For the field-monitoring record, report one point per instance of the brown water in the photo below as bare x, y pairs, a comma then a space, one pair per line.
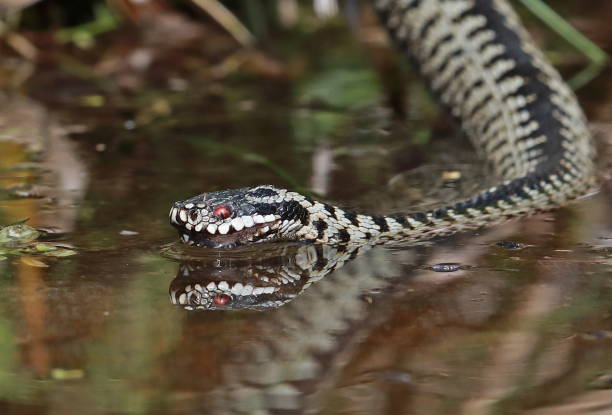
526, 330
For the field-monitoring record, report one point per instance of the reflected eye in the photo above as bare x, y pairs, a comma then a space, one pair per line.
222, 211
222, 299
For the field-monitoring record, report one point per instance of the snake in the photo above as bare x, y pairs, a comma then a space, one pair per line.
480, 63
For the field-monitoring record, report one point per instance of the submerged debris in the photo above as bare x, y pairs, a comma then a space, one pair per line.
509, 245
446, 267
17, 234
597, 335
67, 374
602, 382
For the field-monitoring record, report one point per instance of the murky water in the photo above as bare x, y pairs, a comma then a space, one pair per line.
518, 321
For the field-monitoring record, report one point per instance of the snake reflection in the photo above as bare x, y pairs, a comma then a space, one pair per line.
258, 282
303, 345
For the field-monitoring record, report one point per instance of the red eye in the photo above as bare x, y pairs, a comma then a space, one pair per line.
222, 299
222, 211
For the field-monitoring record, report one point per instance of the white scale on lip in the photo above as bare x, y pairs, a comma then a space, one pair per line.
183, 216
237, 224
248, 221
237, 288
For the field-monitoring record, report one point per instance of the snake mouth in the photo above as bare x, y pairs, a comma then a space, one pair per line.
228, 234
267, 283
225, 295
217, 294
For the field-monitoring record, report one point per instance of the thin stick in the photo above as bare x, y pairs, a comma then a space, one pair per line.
227, 20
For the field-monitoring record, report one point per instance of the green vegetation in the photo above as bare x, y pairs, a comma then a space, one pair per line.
596, 56
20, 239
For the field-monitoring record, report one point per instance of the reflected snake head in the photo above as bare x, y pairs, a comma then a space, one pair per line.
256, 278
201, 287
230, 218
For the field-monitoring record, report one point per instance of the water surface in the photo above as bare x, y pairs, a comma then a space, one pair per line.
524, 325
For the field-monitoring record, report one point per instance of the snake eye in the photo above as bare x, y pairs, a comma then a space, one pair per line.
222, 299
222, 211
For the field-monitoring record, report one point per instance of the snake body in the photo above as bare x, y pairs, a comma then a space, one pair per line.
520, 116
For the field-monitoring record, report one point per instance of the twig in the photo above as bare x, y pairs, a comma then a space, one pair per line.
20, 44
227, 20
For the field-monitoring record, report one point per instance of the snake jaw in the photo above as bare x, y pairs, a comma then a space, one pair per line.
199, 286
230, 218
221, 295
225, 233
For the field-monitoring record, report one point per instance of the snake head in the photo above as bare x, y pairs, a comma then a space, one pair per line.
269, 280
214, 293
230, 218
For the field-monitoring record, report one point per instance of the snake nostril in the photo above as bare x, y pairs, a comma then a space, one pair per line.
193, 215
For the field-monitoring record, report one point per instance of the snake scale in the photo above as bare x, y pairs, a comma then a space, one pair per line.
520, 116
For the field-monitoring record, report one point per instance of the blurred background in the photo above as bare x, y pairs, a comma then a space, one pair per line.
110, 110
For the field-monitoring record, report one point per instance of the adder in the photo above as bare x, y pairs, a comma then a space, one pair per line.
520, 116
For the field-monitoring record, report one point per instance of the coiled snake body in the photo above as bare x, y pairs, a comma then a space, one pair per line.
519, 114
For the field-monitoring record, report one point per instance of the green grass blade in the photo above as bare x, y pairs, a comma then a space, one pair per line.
597, 57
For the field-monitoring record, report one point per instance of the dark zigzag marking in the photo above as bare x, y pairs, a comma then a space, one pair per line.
381, 222
352, 217
332, 210
401, 219
343, 235
426, 27
320, 226
449, 58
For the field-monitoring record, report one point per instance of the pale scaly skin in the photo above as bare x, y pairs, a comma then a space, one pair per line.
519, 114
